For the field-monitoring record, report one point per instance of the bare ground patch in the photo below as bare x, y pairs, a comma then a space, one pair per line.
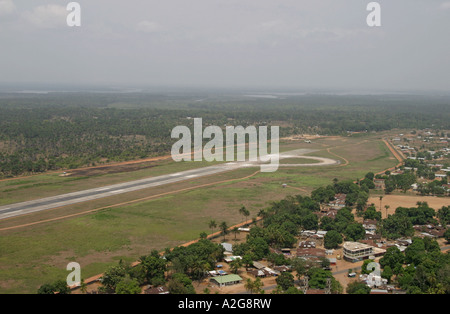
395, 201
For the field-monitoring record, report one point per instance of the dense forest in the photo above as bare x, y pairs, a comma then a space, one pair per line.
51, 131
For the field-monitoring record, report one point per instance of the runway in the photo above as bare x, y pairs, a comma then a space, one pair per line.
23, 208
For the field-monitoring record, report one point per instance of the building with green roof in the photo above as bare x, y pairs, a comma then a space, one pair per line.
226, 280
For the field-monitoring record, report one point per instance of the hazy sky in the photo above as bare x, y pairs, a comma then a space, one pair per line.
230, 43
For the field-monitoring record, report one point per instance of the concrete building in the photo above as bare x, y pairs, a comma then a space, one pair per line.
226, 280
373, 280
355, 251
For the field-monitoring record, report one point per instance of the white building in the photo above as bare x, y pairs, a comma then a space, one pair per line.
373, 280
356, 251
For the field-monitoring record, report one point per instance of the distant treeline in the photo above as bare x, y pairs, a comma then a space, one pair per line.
41, 132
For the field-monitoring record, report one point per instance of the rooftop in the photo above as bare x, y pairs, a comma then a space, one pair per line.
258, 265
312, 252
228, 278
157, 290
228, 247
352, 246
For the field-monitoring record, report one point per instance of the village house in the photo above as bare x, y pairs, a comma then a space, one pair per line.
258, 265
258, 273
446, 187
379, 184
229, 259
312, 254
373, 280
370, 225
307, 233
396, 172
430, 231
264, 271
404, 241
313, 234
338, 202
282, 268
156, 290
332, 261
226, 280
327, 211
307, 244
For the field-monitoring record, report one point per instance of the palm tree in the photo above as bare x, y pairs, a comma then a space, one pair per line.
235, 265
262, 213
224, 228
198, 268
381, 198
276, 237
83, 287
246, 213
212, 225
257, 284
242, 210
235, 231
387, 207
249, 285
